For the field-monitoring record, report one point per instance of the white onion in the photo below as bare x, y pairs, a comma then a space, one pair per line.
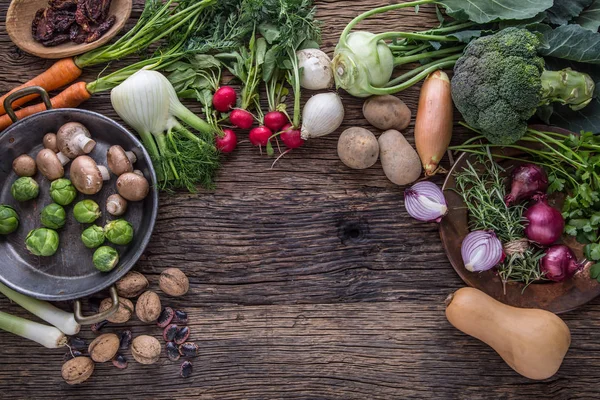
323, 114
316, 69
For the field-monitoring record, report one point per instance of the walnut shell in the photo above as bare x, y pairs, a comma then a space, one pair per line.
104, 347
173, 282
132, 285
123, 313
77, 370
148, 307
145, 349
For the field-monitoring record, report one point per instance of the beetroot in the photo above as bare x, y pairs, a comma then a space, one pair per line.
275, 120
228, 142
291, 137
260, 136
224, 98
241, 118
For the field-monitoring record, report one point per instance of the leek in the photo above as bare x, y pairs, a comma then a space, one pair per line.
47, 336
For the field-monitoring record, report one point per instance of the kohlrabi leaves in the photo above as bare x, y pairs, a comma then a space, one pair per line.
483, 11
586, 119
571, 42
564, 11
466, 36
590, 17
522, 23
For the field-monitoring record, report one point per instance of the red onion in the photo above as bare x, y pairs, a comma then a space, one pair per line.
481, 250
527, 180
425, 201
545, 224
559, 263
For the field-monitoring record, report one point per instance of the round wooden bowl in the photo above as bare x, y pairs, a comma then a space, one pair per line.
557, 297
20, 16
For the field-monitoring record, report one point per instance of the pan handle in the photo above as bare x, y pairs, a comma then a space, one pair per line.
22, 93
92, 319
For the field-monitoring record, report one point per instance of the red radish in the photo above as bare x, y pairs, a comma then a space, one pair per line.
291, 137
224, 98
228, 142
241, 118
275, 120
260, 136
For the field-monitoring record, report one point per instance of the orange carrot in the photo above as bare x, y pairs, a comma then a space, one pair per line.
71, 97
61, 73
433, 125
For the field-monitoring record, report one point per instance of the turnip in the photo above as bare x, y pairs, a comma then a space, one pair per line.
291, 137
260, 136
228, 142
224, 98
241, 118
275, 120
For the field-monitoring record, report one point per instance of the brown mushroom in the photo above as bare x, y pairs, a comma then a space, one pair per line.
73, 140
51, 164
120, 161
87, 176
24, 165
132, 186
50, 142
116, 205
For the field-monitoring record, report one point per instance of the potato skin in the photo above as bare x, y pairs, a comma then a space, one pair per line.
358, 148
399, 160
387, 112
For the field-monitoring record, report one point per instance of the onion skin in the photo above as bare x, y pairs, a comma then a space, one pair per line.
545, 223
526, 181
433, 125
559, 263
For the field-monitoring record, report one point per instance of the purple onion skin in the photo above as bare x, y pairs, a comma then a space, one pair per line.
545, 223
559, 263
527, 180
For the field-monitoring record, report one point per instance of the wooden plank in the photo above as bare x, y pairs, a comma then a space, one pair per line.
309, 281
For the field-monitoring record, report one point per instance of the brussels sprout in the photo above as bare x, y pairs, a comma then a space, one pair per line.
54, 216
62, 191
9, 220
93, 237
105, 258
24, 189
119, 231
42, 242
86, 211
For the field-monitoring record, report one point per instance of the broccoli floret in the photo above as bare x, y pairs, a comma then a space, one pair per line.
500, 81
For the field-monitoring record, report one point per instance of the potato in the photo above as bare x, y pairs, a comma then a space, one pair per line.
386, 112
399, 160
358, 148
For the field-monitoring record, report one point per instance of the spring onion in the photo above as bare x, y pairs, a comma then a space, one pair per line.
63, 320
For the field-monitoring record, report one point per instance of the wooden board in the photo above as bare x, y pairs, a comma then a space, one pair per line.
309, 281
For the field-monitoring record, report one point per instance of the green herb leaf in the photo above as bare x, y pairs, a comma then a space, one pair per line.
592, 251
595, 271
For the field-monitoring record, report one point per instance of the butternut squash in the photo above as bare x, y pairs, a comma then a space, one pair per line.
532, 342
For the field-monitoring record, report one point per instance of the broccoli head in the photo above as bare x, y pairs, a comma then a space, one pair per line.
500, 81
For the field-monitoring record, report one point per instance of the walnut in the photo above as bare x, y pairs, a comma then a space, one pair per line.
145, 349
173, 282
123, 313
148, 307
132, 285
77, 370
104, 347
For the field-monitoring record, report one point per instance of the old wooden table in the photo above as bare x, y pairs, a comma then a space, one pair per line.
307, 281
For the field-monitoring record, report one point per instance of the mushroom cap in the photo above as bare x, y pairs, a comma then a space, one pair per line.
50, 142
133, 187
49, 165
24, 165
117, 160
71, 140
85, 175
116, 205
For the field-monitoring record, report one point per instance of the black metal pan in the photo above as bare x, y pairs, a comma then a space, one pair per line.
70, 273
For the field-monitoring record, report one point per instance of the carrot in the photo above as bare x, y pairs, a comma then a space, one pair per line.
71, 97
61, 73
433, 125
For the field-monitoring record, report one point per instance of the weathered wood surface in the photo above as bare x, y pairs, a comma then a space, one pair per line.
309, 281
